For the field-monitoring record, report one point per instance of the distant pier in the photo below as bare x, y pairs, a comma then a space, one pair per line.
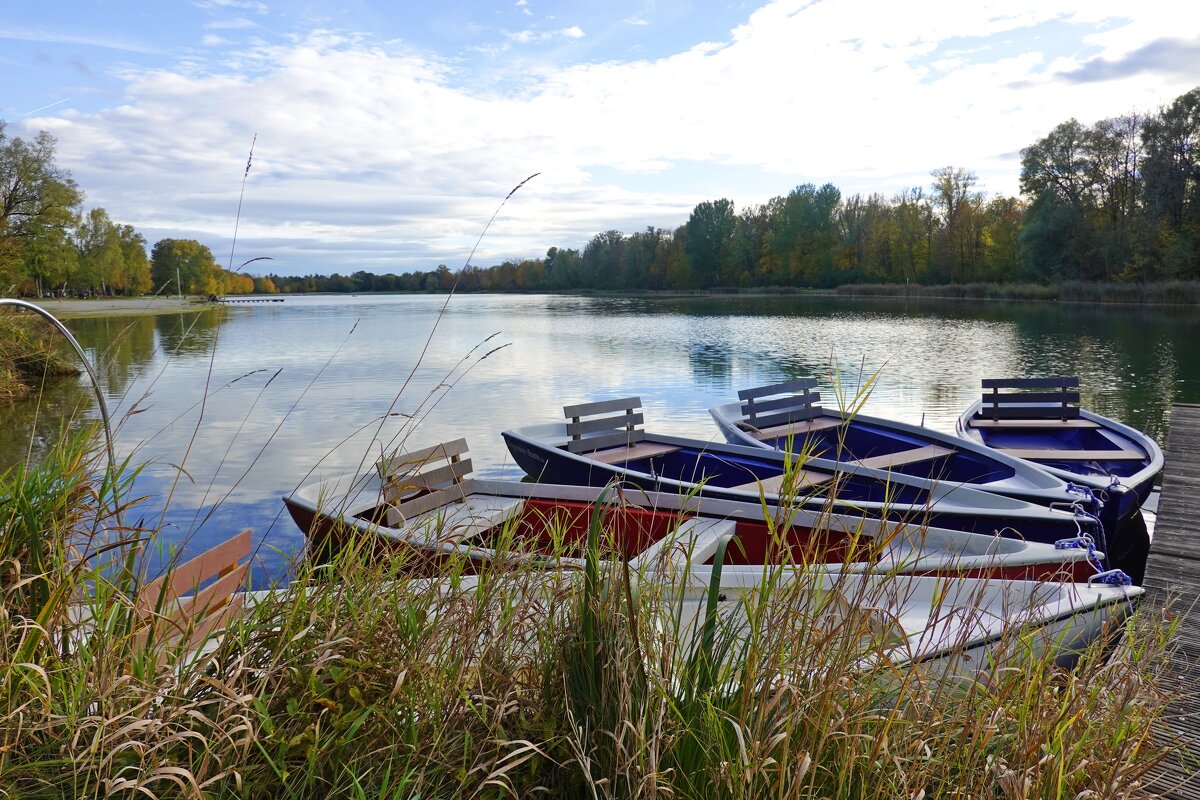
1173, 573
215, 299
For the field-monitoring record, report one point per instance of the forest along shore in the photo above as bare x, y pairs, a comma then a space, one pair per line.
120, 306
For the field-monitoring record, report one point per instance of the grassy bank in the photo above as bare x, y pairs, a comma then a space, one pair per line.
31, 351
362, 681
1179, 293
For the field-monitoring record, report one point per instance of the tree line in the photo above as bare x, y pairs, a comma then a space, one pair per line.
1118, 201
1115, 201
51, 246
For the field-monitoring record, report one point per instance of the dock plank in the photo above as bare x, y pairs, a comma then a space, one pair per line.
1173, 580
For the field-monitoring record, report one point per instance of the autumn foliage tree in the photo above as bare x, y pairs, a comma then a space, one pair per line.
184, 266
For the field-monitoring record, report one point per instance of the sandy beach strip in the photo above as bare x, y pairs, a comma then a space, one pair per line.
120, 306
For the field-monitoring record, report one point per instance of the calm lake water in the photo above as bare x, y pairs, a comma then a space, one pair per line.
231, 408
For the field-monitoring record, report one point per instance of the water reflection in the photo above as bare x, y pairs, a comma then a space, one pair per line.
229, 409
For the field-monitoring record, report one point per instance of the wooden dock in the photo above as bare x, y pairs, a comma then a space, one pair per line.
1173, 577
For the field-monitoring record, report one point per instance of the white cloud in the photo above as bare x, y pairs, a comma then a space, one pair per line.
246, 5
528, 36
55, 36
376, 157
234, 23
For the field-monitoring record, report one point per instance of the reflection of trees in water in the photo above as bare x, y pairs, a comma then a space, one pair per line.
711, 363
35, 425
189, 334
119, 347
123, 348
1125, 357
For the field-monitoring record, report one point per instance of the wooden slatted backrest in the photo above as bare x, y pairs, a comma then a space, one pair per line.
612, 423
1035, 398
174, 608
797, 403
420, 480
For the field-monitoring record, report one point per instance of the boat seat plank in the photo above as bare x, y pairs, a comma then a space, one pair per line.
398, 486
625, 404
1034, 423
416, 460
464, 519
695, 541
795, 429
1064, 381
218, 561
1031, 454
190, 621
618, 455
797, 386
773, 484
899, 458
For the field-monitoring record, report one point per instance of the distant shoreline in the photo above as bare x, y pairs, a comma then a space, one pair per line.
119, 306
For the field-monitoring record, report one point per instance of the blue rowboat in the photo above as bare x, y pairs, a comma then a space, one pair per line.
1039, 420
1042, 423
787, 416
602, 442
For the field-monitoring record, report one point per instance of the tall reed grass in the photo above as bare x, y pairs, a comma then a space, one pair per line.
363, 681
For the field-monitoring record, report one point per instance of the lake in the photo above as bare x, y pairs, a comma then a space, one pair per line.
230, 408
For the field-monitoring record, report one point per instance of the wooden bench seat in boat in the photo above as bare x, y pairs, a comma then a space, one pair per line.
1033, 423
463, 519
762, 409
429, 492
619, 455
1072, 455
1061, 403
901, 457
793, 429
695, 541
167, 614
611, 434
773, 484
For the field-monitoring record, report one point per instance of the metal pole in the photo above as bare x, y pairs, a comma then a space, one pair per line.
108, 437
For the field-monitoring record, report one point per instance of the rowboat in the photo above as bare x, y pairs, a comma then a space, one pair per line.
426, 504
953, 626
788, 416
1039, 420
603, 442
1042, 423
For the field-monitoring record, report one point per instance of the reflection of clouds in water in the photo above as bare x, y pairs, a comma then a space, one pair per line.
325, 370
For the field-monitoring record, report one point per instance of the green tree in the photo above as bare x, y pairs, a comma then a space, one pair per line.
910, 234
1171, 185
958, 243
1115, 154
37, 198
710, 231
101, 257
186, 260
805, 235
601, 261
748, 252
1058, 173
135, 275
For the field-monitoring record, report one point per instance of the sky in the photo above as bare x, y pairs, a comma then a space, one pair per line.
385, 135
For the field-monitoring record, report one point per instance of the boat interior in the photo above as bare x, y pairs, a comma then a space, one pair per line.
788, 417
